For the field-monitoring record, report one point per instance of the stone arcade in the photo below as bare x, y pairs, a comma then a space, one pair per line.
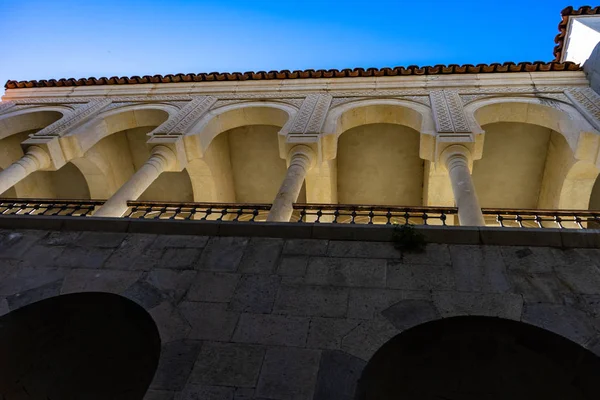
107, 292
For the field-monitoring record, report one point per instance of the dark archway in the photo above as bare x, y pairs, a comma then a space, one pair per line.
78, 346
466, 358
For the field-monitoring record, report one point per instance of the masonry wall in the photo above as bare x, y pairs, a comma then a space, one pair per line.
272, 318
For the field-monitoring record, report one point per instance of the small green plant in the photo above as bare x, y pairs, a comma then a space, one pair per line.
407, 239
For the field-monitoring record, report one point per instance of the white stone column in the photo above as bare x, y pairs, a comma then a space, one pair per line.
34, 159
456, 159
162, 157
301, 160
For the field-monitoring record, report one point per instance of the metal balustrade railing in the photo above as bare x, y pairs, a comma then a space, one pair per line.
365, 214
71, 208
309, 213
571, 219
198, 211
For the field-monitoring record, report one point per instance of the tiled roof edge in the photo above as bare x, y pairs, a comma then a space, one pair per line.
537, 66
562, 26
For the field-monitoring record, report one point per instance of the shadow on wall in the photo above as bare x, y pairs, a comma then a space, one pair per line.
78, 346
480, 358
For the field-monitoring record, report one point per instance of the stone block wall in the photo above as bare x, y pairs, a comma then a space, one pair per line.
272, 318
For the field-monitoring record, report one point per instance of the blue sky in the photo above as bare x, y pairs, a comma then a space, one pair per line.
45, 39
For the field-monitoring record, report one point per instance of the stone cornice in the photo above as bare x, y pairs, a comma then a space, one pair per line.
338, 88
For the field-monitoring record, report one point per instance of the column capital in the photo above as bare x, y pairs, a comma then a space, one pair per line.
175, 146
54, 156
455, 154
291, 141
302, 155
40, 156
167, 157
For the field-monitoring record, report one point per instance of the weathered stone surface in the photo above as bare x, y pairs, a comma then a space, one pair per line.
24, 298
288, 373
14, 244
144, 293
255, 293
174, 258
170, 322
244, 394
173, 284
271, 329
101, 239
308, 247
409, 313
528, 259
293, 265
228, 364
261, 256
503, 305
542, 287
209, 321
564, 320
319, 301
203, 392
479, 268
327, 333
338, 376
83, 257
366, 303
577, 274
42, 256
364, 340
135, 253
357, 249
349, 272
26, 278
180, 241
434, 254
213, 287
152, 394
64, 238
419, 276
90, 280
176, 361
222, 254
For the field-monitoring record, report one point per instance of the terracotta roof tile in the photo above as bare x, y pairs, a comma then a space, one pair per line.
540, 66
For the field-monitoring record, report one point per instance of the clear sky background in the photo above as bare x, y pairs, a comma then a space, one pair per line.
43, 39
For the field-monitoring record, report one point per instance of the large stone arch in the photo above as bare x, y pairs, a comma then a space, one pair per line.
552, 114
70, 346
104, 151
236, 115
215, 159
117, 120
30, 119
568, 170
18, 126
477, 357
361, 344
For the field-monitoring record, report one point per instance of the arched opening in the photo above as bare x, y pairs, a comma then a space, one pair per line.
380, 164
242, 154
78, 346
480, 358
595, 198
29, 121
66, 183
121, 149
523, 166
378, 144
